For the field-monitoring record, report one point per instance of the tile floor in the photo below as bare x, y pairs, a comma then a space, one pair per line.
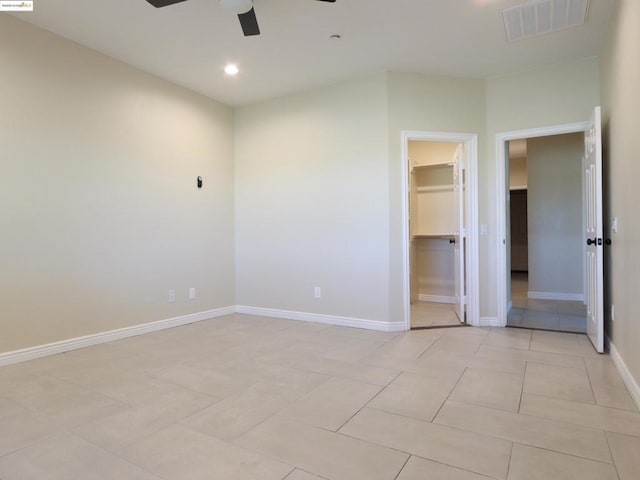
526, 312
241, 398
432, 314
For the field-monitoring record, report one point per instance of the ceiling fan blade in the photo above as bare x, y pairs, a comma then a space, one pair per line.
163, 3
249, 23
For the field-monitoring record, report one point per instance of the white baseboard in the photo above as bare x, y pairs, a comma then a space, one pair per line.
628, 379
327, 319
567, 297
32, 353
423, 297
489, 322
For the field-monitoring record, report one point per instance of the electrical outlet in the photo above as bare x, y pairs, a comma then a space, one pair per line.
192, 293
172, 296
484, 230
317, 292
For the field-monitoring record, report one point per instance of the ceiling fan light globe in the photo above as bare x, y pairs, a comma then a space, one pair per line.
237, 6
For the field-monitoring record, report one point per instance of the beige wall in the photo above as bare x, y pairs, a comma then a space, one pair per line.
555, 217
423, 103
99, 211
518, 172
620, 71
435, 261
312, 201
559, 94
429, 153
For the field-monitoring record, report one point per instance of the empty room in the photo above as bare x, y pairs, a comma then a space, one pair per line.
273, 240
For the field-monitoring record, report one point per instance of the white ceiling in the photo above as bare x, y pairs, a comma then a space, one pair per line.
189, 43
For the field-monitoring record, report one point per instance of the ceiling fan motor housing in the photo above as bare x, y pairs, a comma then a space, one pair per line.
237, 6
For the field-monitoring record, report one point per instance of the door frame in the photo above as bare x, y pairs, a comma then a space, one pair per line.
501, 198
472, 275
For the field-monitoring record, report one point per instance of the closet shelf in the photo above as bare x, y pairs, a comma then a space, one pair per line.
432, 165
449, 187
443, 236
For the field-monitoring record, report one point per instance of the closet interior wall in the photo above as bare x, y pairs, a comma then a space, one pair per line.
432, 221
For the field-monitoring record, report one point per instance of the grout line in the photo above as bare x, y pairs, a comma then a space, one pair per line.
449, 394
368, 402
558, 452
120, 453
456, 467
584, 362
613, 460
510, 458
369, 442
429, 347
524, 377
300, 470
401, 469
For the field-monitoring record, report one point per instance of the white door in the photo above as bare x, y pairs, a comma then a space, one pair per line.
459, 235
594, 233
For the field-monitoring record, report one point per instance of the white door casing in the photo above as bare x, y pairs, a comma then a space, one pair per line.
501, 199
471, 259
594, 231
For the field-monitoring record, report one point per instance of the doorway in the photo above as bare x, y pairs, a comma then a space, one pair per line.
440, 219
592, 231
436, 215
545, 199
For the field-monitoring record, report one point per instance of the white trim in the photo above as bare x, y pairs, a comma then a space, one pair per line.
472, 268
321, 318
501, 194
423, 297
566, 297
489, 322
32, 353
630, 382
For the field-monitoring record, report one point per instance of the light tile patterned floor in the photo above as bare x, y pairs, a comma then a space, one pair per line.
432, 314
243, 398
565, 316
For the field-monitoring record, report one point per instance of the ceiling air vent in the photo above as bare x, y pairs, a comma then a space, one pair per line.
543, 16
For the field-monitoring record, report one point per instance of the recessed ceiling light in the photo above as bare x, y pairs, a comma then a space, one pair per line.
231, 69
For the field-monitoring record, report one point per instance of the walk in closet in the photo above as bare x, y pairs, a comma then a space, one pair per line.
436, 215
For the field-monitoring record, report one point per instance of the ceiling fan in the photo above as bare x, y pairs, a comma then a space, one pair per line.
243, 8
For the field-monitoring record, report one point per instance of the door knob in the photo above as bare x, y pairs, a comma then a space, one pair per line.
591, 241
452, 240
